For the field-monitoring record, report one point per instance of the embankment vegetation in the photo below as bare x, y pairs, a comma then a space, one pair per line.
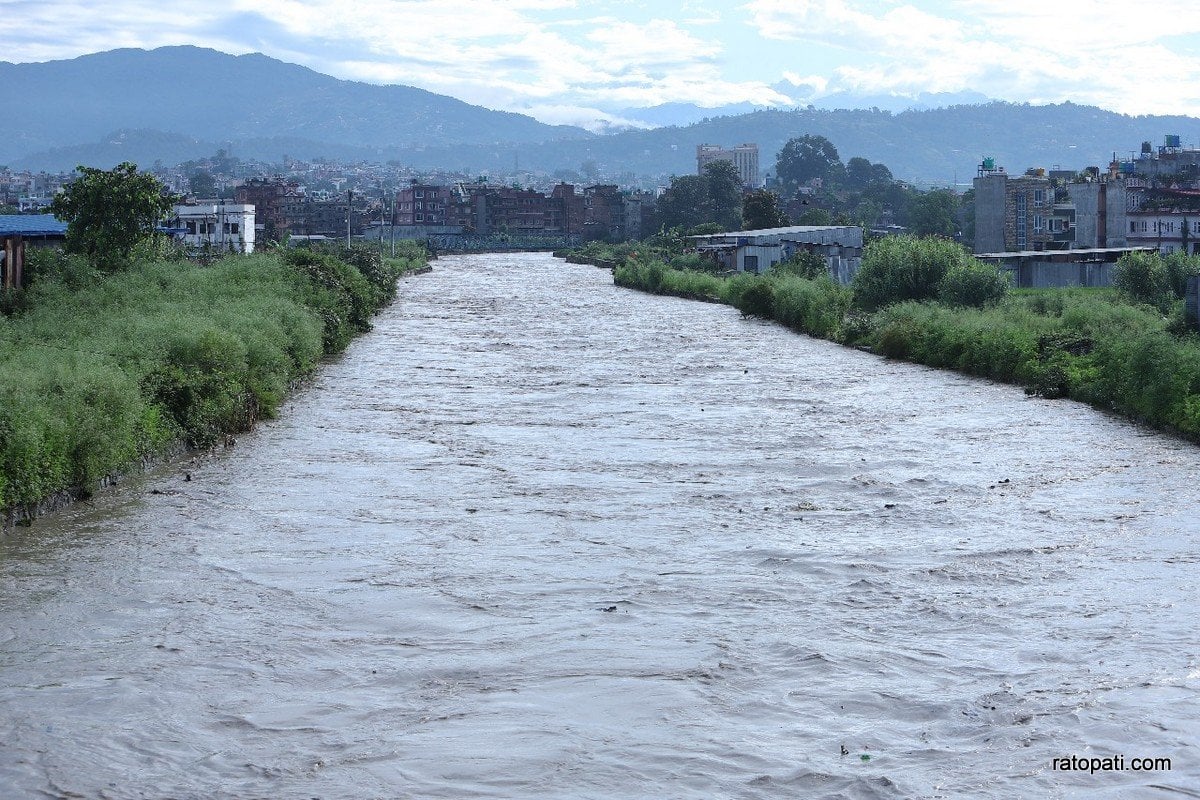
1124, 349
101, 369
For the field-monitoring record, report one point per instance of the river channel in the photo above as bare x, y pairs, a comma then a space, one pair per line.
539, 536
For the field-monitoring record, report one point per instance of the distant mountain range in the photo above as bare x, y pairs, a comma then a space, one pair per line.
179, 103
208, 96
801, 97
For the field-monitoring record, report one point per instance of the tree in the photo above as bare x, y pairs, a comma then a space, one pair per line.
202, 184
935, 213
724, 194
714, 196
108, 212
682, 204
861, 173
760, 209
806, 159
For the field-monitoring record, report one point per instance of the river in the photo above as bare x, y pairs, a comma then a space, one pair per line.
536, 535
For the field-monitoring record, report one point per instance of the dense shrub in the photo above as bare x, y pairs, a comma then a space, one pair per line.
339, 293
98, 372
1142, 277
899, 268
758, 300
803, 264
971, 283
816, 307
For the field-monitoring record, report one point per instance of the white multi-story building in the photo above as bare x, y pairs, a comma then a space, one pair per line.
217, 227
744, 158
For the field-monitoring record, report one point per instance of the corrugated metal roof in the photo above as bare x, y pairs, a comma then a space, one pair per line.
31, 225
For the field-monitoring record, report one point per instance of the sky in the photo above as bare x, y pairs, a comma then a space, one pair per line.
586, 61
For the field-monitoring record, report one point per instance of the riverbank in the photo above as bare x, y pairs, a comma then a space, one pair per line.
100, 375
1082, 344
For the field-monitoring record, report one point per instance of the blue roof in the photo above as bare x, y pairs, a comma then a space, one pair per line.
31, 225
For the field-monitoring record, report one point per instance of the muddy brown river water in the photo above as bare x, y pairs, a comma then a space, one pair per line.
538, 536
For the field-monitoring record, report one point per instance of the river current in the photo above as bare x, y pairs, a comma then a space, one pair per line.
539, 536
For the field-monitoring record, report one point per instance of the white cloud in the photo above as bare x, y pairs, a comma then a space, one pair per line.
1098, 53
564, 57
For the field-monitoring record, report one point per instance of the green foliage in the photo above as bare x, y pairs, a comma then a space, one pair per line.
1154, 279
1142, 277
760, 210
934, 213
101, 371
338, 292
972, 283
805, 159
108, 212
758, 300
816, 307
803, 264
862, 174
898, 268
714, 196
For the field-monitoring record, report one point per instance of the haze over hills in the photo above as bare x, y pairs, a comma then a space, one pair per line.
211, 96
178, 103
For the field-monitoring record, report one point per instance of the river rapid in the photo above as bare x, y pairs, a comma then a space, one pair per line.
539, 536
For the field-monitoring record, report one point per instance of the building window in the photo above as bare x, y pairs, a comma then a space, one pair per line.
1132, 226
1039, 223
1039, 198
750, 263
1022, 207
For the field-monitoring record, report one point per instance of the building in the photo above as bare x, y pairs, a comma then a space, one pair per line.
422, 204
564, 210
216, 227
17, 231
744, 157
759, 250
604, 213
1013, 213
278, 205
1170, 160
1045, 269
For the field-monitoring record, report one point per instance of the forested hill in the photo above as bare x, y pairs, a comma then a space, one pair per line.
928, 146
195, 93
179, 103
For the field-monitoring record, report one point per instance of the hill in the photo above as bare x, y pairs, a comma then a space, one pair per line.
179, 103
202, 94
927, 146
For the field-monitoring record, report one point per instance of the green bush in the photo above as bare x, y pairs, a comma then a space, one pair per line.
816, 307
98, 372
970, 283
1143, 278
758, 300
899, 268
338, 292
803, 264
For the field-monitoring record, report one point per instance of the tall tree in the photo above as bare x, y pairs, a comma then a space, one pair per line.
935, 213
714, 196
808, 158
724, 194
760, 209
861, 173
108, 212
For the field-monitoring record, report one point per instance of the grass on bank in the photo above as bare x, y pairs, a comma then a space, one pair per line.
1123, 350
98, 372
